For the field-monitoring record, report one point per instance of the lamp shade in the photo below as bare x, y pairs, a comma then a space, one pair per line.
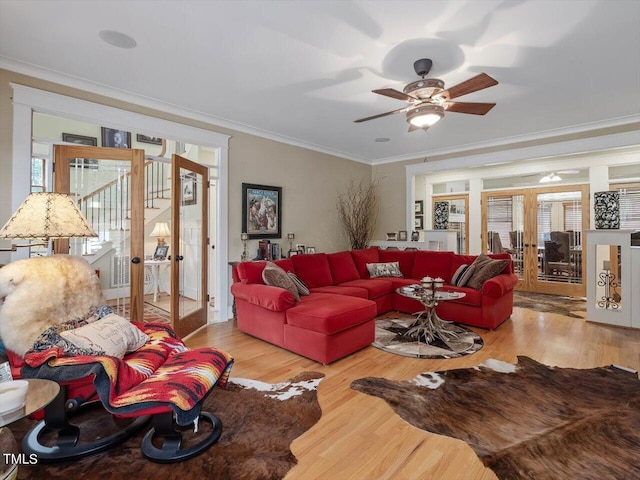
161, 230
47, 215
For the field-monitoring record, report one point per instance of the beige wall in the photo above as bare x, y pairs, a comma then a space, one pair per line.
309, 180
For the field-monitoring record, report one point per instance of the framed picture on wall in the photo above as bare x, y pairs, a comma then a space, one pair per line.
112, 137
147, 139
402, 235
418, 207
189, 189
261, 210
418, 223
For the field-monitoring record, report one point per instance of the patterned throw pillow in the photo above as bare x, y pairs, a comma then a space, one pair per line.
462, 275
276, 277
485, 268
111, 335
302, 287
390, 269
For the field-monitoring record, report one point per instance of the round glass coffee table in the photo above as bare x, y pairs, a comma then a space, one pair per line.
428, 327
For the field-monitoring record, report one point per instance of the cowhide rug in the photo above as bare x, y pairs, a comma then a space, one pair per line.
528, 421
259, 422
573, 307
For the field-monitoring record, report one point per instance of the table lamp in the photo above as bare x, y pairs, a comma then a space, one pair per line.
161, 230
46, 215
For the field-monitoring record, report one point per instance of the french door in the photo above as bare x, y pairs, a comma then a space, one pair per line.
190, 241
108, 185
541, 228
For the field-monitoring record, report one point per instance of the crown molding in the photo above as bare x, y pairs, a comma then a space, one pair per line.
140, 100
537, 136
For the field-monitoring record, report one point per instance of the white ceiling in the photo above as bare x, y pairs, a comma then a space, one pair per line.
302, 71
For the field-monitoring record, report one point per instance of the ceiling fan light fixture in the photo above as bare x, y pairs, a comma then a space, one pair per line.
425, 115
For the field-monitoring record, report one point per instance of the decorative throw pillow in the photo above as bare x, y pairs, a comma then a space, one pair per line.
462, 275
302, 287
111, 335
276, 277
485, 268
390, 269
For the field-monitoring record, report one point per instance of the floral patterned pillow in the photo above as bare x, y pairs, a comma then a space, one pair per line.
390, 269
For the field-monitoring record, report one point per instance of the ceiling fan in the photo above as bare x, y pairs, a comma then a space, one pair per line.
428, 98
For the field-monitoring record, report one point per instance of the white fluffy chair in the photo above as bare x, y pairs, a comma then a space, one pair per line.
38, 292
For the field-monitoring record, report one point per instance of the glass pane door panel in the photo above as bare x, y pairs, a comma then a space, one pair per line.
106, 184
189, 236
505, 228
559, 236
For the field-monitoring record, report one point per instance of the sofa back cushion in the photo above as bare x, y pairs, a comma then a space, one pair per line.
251, 272
362, 257
286, 264
432, 264
313, 269
404, 258
343, 268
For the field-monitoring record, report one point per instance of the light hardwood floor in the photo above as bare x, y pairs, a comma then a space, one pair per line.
359, 436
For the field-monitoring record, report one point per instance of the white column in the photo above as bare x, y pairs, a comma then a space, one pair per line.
475, 216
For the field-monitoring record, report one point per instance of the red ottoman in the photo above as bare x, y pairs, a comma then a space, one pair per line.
328, 330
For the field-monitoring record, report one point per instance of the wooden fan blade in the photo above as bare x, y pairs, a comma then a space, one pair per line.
381, 115
472, 85
390, 92
468, 107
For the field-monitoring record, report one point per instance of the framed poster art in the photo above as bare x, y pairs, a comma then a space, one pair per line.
261, 210
112, 137
189, 189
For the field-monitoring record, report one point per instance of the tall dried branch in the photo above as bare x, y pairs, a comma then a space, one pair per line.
358, 212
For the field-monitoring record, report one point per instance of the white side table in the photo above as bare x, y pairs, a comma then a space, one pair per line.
155, 275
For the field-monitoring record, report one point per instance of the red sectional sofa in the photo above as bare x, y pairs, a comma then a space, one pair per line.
338, 317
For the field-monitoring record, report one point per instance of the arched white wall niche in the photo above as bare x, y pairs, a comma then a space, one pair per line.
616, 149
27, 100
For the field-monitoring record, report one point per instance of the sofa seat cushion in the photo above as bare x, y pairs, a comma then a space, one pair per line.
343, 290
472, 296
396, 283
329, 316
375, 287
313, 269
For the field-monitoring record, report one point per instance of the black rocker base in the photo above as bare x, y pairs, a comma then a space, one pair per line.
170, 451
66, 445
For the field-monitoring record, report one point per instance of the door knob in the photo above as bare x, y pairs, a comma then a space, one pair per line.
526, 244
179, 257
135, 260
